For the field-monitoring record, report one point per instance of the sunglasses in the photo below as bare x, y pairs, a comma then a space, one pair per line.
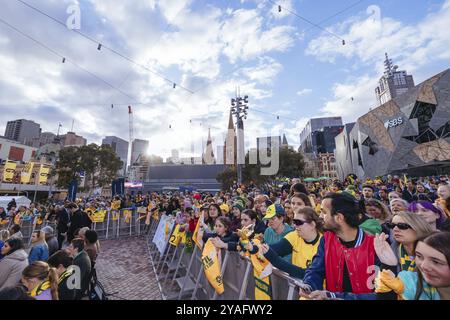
299, 222
401, 226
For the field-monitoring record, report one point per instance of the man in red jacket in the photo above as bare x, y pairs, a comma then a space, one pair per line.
346, 257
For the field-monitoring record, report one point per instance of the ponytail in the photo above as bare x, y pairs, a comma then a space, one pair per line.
53, 280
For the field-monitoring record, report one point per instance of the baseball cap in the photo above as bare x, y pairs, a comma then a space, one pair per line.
273, 210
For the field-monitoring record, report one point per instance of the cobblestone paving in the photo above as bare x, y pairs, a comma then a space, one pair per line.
123, 266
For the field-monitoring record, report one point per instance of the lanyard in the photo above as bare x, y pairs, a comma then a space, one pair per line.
406, 263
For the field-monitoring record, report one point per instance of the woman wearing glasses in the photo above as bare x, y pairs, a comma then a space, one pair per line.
406, 228
301, 243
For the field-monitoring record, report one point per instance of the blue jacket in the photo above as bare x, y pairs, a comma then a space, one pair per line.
315, 276
38, 253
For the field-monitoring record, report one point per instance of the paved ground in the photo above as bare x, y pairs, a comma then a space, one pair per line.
123, 266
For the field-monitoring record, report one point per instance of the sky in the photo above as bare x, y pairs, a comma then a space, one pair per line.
291, 70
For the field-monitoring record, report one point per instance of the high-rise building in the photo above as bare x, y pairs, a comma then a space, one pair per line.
120, 147
43, 139
139, 149
70, 139
318, 135
266, 142
393, 82
22, 130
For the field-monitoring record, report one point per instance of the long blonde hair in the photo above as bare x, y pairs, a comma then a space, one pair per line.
42, 271
417, 223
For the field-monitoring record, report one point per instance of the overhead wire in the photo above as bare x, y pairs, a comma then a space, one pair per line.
101, 45
65, 59
307, 20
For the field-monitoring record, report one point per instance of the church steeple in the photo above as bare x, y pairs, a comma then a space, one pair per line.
230, 145
230, 122
208, 157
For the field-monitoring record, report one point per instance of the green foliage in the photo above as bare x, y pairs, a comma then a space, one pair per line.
100, 165
227, 177
291, 166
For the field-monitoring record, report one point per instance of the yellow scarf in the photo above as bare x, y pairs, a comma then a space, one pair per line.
211, 266
39, 289
263, 288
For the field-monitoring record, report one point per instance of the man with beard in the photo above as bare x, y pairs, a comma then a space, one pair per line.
346, 257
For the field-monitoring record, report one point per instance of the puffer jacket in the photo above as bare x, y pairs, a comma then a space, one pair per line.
11, 268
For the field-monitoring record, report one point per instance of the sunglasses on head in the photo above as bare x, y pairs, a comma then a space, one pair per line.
299, 222
401, 226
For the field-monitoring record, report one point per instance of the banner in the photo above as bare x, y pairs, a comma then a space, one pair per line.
43, 173
98, 216
127, 214
261, 272
72, 192
177, 236
8, 171
25, 175
163, 232
195, 234
211, 266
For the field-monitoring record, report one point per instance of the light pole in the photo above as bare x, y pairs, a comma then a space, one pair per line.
239, 107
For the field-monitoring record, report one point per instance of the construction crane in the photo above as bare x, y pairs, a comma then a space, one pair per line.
130, 145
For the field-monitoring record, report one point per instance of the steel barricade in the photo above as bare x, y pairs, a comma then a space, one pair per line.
102, 227
186, 283
27, 228
283, 286
113, 224
235, 272
125, 223
200, 281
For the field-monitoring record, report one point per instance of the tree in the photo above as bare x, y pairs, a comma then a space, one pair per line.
227, 177
109, 164
68, 166
291, 165
100, 165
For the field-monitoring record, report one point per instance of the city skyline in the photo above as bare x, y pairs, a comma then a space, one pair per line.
289, 76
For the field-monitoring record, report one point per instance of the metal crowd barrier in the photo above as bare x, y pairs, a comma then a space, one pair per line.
117, 225
188, 279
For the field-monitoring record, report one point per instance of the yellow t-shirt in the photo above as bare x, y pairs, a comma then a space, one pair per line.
302, 252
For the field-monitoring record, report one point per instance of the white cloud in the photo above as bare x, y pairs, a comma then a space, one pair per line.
191, 51
368, 39
414, 47
304, 92
265, 72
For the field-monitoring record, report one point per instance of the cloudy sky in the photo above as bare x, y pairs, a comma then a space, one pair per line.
287, 67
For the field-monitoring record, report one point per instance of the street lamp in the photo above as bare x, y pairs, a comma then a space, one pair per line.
239, 107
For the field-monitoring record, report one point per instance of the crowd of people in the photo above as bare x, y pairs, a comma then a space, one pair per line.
386, 238
57, 264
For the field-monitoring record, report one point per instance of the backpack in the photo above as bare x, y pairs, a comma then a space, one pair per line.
96, 289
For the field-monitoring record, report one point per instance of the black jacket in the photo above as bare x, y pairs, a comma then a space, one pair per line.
84, 263
79, 219
63, 221
229, 237
64, 292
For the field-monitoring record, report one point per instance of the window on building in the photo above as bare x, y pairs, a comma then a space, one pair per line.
444, 131
423, 112
373, 147
399, 79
